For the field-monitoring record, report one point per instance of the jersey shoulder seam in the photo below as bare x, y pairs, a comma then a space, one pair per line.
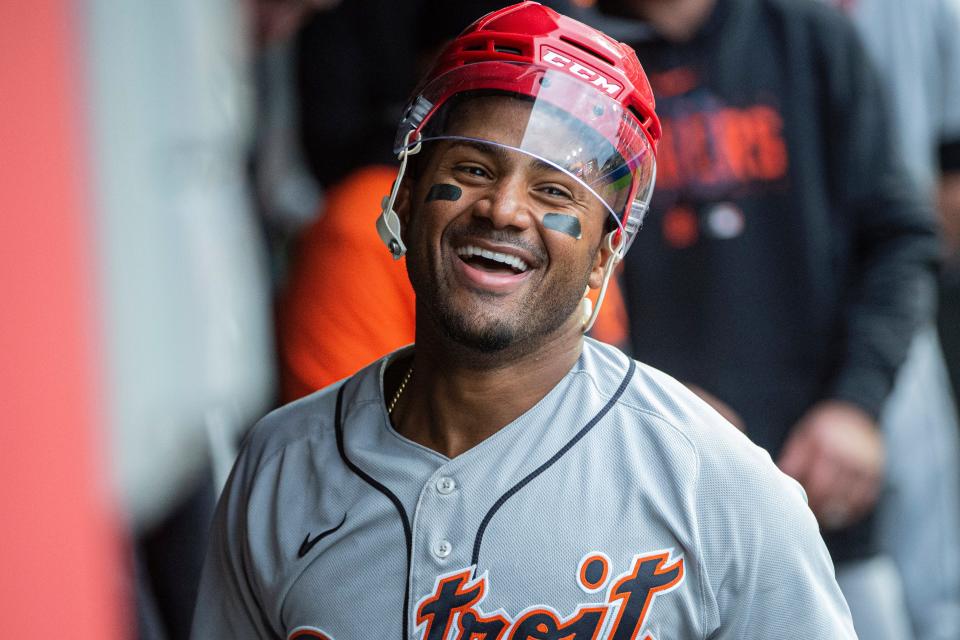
270, 448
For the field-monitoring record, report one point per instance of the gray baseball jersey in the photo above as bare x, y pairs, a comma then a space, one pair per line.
619, 507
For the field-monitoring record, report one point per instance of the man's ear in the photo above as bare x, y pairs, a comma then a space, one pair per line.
600, 262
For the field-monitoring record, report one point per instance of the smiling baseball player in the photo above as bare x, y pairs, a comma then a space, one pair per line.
506, 477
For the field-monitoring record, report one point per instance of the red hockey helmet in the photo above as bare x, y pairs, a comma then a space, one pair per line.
567, 70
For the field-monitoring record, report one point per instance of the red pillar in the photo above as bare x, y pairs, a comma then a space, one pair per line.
60, 569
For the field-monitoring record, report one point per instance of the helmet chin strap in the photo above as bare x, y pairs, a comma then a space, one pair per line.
616, 255
388, 224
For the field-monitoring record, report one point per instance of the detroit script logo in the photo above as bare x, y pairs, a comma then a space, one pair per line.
454, 611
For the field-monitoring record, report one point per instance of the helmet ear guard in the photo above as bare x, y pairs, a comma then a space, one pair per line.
388, 224
388, 227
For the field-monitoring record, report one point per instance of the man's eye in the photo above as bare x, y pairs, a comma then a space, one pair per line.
556, 192
473, 170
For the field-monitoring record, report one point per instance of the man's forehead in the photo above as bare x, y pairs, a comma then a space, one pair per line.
502, 154
506, 120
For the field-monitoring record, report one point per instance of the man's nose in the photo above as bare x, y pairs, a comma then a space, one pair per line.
508, 204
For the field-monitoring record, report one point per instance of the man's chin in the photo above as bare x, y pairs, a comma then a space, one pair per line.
492, 338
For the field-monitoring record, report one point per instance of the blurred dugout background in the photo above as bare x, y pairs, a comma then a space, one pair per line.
155, 173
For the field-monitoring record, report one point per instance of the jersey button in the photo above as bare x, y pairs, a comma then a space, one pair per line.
443, 549
446, 486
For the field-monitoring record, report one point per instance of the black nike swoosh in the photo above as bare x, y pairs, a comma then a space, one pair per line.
308, 543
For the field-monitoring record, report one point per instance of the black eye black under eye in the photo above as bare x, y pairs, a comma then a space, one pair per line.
564, 223
444, 192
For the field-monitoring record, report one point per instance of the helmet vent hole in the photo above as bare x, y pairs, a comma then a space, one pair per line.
511, 50
585, 48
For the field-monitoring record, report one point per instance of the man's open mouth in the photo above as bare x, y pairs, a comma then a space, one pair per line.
491, 261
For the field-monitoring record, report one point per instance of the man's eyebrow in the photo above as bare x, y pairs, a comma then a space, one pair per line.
502, 154
483, 147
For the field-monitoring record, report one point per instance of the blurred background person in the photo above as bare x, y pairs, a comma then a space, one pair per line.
916, 45
344, 302
788, 258
287, 195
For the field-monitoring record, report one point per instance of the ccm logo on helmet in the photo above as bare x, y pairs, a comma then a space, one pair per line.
582, 72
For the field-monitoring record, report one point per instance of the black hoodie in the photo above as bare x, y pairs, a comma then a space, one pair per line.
786, 258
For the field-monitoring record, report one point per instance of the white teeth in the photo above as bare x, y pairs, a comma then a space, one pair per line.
512, 261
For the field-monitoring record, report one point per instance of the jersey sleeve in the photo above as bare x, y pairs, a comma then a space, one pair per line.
768, 573
227, 603
889, 225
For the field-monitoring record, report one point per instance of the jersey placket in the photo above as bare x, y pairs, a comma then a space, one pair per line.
441, 543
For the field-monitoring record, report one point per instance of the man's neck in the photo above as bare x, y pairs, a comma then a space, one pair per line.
453, 403
676, 20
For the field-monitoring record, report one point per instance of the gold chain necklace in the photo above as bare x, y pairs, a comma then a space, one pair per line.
403, 385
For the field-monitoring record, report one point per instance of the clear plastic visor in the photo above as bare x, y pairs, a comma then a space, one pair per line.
548, 115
